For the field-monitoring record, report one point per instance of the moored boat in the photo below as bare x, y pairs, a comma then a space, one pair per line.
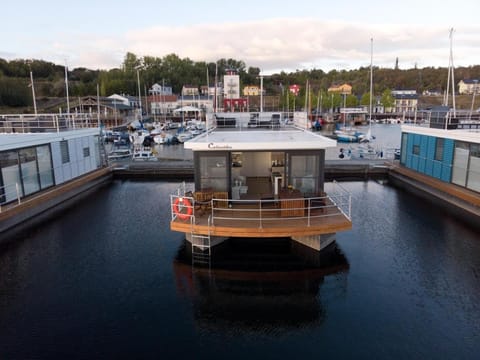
119, 154
144, 153
243, 187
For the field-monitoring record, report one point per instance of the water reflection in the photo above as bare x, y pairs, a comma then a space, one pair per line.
260, 286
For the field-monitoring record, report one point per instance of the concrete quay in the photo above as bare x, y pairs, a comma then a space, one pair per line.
183, 169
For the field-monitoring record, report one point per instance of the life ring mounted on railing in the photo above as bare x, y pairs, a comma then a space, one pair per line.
182, 207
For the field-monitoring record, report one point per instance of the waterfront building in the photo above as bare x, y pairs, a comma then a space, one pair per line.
468, 87
251, 90
406, 101
345, 89
190, 90
158, 89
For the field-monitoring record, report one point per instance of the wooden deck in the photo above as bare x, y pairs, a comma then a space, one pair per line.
263, 219
451, 189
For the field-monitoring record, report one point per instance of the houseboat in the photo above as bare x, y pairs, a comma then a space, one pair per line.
260, 182
46, 160
440, 162
446, 148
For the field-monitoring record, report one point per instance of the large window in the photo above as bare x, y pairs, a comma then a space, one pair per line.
45, 170
11, 180
213, 172
24, 172
460, 163
304, 170
28, 167
473, 178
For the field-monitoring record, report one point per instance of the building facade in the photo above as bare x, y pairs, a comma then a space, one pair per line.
406, 101
468, 87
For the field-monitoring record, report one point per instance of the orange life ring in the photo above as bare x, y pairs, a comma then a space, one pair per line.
180, 204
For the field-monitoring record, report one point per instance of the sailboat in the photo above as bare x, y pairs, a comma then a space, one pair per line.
368, 136
344, 133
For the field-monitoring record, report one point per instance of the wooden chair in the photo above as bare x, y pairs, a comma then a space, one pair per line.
223, 196
203, 200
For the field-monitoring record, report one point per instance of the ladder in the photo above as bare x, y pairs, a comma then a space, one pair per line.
201, 247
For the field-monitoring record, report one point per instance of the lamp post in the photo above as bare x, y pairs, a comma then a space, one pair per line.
139, 94
261, 93
33, 90
66, 88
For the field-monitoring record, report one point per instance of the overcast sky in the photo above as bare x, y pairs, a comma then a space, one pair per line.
272, 35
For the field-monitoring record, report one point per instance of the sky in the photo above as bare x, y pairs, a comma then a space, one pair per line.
271, 35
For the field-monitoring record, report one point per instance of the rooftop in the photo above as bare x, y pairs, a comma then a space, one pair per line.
242, 139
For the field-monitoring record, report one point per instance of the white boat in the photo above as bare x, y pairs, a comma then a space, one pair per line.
182, 137
143, 154
119, 154
163, 138
347, 135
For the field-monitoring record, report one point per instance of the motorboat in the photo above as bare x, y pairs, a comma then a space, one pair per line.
144, 154
119, 154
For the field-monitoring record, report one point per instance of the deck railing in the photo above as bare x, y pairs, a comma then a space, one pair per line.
30, 123
184, 206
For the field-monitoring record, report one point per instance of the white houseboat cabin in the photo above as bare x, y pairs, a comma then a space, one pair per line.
256, 175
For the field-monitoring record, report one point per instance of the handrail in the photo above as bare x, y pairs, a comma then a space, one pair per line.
267, 210
30, 123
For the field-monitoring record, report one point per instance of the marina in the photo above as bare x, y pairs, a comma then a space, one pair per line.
402, 284
128, 284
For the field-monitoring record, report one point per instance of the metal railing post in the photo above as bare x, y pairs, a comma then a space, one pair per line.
308, 210
260, 214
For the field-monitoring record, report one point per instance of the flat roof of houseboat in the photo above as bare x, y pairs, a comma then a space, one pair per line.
468, 135
254, 139
18, 140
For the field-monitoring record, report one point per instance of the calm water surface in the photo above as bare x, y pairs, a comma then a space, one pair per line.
110, 280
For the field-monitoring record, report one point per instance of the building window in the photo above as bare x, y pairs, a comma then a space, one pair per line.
439, 149
64, 151
416, 149
86, 152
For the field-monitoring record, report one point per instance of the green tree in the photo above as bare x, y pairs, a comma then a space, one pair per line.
387, 99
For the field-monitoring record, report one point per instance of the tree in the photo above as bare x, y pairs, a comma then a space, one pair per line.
365, 100
387, 99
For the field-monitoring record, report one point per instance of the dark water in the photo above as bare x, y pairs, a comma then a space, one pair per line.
110, 280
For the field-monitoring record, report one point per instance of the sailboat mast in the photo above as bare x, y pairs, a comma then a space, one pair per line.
371, 82
452, 72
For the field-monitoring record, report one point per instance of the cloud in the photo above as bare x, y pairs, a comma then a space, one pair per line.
292, 44
273, 45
